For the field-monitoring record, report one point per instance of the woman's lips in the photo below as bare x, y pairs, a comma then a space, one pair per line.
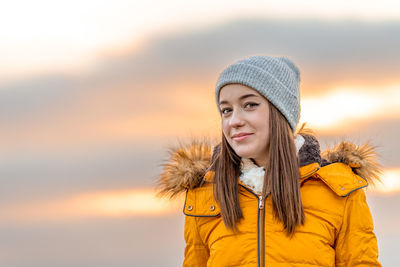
241, 138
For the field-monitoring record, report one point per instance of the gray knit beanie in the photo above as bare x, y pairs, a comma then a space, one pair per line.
276, 78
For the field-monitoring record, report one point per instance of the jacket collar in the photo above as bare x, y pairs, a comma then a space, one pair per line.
188, 164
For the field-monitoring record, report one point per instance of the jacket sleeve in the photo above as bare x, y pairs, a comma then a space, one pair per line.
196, 252
356, 243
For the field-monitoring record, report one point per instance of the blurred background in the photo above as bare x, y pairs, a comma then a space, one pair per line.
93, 93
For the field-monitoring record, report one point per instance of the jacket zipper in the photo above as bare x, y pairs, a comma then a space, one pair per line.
261, 222
260, 227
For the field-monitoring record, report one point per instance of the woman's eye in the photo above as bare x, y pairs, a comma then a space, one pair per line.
250, 104
225, 110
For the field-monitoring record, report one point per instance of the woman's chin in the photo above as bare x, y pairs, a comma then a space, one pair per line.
245, 154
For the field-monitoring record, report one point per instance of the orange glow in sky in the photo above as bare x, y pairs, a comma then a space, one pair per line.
136, 202
345, 105
391, 182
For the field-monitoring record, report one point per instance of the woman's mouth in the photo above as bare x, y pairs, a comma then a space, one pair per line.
241, 138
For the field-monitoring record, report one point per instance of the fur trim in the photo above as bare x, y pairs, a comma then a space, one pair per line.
362, 159
305, 131
252, 175
309, 152
188, 163
185, 167
299, 142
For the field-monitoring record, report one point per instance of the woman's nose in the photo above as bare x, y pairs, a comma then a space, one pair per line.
236, 119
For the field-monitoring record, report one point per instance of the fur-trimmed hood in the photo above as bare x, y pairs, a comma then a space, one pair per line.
188, 163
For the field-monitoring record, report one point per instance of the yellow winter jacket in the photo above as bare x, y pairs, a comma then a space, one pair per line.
338, 228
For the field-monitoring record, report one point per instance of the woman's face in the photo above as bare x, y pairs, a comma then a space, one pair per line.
245, 113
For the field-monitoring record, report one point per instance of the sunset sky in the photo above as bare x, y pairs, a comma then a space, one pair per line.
93, 93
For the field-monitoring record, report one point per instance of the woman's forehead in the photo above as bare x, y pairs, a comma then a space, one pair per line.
233, 92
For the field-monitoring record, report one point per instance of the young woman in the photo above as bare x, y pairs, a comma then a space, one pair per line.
265, 195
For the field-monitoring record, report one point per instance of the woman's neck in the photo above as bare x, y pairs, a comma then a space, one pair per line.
260, 161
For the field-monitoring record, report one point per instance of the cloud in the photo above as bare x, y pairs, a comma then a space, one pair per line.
36, 175
68, 132
328, 53
128, 241
145, 81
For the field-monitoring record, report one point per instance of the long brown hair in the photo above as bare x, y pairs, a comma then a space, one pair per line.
281, 178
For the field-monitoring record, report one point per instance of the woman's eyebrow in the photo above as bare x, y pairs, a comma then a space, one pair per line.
240, 98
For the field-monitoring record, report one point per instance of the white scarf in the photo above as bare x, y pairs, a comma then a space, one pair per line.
252, 175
